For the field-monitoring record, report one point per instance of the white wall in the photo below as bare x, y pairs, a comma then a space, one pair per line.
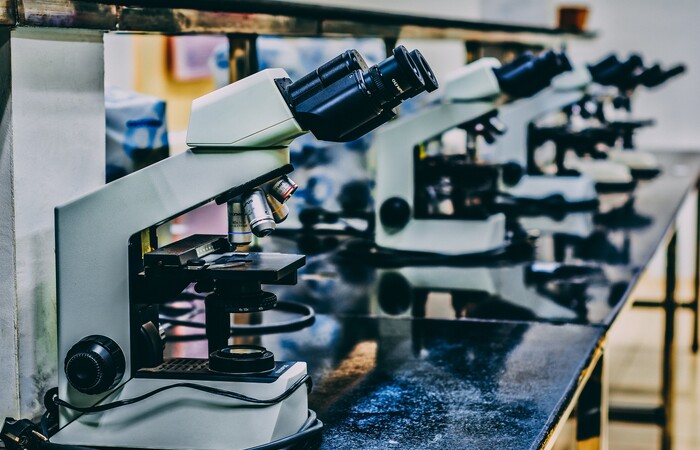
119, 60
52, 132
664, 31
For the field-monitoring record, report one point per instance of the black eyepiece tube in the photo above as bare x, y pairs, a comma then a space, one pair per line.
337, 103
658, 77
429, 78
635, 61
327, 74
532, 74
517, 62
602, 65
341, 65
620, 75
399, 73
675, 70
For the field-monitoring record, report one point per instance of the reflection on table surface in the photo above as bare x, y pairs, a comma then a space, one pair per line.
431, 383
582, 265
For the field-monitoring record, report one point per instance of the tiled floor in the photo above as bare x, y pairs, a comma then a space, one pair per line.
634, 350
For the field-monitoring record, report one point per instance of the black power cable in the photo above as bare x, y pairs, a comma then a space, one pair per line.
211, 390
25, 435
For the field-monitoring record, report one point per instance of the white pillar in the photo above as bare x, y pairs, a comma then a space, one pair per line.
52, 133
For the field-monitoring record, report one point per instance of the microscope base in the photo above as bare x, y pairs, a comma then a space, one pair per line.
579, 224
642, 165
574, 190
183, 418
609, 176
447, 236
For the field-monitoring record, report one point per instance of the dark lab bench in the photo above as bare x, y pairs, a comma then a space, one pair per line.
432, 384
393, 369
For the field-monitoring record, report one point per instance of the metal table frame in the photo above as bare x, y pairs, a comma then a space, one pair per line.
663, 414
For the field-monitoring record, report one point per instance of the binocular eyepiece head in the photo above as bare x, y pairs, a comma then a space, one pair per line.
656, 76
345, 98
631, 73
610, 71
528, 74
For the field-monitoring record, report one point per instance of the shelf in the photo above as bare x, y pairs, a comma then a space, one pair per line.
264, 17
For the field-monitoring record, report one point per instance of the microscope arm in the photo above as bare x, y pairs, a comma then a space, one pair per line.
512, 146
91, 260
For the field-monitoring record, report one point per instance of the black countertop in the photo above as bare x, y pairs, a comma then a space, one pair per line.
393, 383
600, 256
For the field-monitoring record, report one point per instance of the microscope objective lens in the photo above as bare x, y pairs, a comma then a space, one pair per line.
283, 188
280, 211
239, 228
258, 213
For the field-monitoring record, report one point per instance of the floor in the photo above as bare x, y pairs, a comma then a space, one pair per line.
634, 348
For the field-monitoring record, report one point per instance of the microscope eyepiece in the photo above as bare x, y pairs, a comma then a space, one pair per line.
603, 65
431, 82
655, 75
528, 74
621, 74
344, 99
398, 73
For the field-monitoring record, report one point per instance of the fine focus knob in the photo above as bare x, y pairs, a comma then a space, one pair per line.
94, 365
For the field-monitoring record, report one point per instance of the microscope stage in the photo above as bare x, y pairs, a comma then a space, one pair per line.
235, 266
204, 257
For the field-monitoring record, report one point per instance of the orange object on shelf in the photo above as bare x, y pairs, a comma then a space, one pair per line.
573, 18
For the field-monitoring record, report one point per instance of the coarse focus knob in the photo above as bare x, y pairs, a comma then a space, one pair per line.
395, 212
511, 173
94, 365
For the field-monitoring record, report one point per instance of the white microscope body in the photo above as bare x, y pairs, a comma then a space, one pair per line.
616, 81
566, 89
472, 95
620, 164
93, 285
470, 92
98, 237
92, 235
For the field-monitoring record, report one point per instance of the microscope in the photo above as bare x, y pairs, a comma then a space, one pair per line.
116, 389
431, 201
602, 125
573, 190
614, 106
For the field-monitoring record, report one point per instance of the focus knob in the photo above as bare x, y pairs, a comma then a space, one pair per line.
94, 365
395, 213
511, 173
